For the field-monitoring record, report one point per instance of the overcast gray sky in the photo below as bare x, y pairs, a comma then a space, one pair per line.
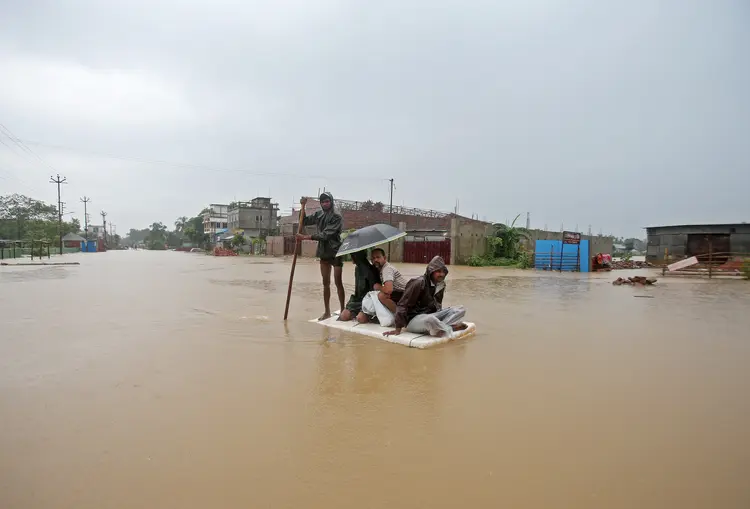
613, 114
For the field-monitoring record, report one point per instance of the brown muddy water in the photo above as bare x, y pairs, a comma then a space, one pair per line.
168, 380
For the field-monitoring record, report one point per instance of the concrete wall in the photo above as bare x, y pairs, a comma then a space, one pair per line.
468, 238
308, 248
275, 246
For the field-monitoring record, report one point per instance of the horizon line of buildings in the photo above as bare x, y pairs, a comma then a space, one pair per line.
260, 217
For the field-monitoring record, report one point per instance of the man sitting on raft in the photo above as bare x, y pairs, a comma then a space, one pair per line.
420, 309
366, 276
392, 282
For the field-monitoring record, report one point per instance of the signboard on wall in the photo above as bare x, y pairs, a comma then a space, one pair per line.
571, 238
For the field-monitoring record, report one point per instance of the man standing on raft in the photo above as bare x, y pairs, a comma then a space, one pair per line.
329, 223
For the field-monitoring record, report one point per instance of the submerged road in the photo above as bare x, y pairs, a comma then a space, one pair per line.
160, 379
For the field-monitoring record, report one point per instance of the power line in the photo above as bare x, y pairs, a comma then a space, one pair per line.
201, 166
22, 156
15, 139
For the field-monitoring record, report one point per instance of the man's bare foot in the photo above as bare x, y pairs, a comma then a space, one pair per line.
459, 326
324, 316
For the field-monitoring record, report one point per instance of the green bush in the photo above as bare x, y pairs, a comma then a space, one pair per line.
525, 260
746, 268
488, 261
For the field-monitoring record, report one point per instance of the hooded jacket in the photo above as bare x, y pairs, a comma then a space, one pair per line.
421, 295
365, 278
329, 225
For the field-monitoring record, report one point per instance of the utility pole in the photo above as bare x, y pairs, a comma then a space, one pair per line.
390, 217
104, 220
85, 200
58, 181
528, 221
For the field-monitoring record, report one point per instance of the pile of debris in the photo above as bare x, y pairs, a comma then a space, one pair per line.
630, 264
635, 280
220, 251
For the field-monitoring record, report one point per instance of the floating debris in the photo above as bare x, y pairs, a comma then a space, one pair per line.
634, 281
630, 264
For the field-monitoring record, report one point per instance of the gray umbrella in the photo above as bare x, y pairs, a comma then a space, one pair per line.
369, 236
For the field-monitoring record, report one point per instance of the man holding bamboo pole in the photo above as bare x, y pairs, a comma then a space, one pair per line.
329, 224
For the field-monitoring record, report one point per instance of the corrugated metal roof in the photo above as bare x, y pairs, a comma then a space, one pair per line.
697, 225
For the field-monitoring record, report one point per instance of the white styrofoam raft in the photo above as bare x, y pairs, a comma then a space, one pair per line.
409, 339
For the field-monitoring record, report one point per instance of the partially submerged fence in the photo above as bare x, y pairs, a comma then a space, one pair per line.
712, 265
33, 248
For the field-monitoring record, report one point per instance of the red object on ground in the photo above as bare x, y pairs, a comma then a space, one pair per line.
220, 251
732, 264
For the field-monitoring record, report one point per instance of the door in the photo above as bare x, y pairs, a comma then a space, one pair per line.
700, 245
423, 252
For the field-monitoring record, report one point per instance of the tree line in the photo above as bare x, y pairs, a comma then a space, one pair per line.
159, 237
25, 218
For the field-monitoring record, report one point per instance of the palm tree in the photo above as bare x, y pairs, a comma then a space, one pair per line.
180, 224
509, 238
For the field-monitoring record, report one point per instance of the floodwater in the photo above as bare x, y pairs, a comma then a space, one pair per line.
169, 380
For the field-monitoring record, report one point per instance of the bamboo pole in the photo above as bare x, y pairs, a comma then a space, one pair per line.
294, 261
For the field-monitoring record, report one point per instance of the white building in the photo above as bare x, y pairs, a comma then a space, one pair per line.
96, 231
215, 219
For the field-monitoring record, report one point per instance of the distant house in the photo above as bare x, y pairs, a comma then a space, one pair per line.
256, 218
215, 219
97, 231
73, 241
289, 224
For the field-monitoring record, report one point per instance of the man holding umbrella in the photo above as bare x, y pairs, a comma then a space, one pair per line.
390, 283
329, 223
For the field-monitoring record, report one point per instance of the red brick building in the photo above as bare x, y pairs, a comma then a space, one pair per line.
360, 214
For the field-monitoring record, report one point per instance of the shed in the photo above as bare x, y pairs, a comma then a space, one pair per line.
681, 241
73, 240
